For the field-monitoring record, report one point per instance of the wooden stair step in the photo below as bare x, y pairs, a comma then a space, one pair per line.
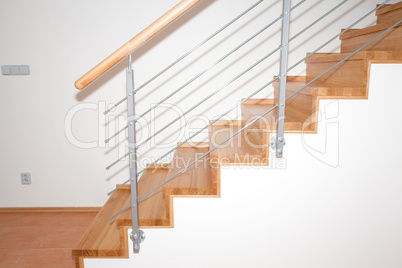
354, 72
388, 13
152, 208
196, 177
102, 238
298, 114
249, 147
105, 238
300, 107
335, 57
156, 209
319, 89
391, 41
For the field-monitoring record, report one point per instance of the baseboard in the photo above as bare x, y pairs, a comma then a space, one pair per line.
51, 209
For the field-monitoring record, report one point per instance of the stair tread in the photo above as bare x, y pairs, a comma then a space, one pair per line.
320, 89
102, 236
361, 55
351, 74
389, 13
294, 83
336, 57
151, 208
246, 147
388, 8
368, 30
195, 176
297, 113
154, 209
294, 86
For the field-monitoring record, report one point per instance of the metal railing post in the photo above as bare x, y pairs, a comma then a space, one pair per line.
280, 140
136, 235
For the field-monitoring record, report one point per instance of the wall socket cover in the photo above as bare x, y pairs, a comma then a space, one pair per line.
26, 178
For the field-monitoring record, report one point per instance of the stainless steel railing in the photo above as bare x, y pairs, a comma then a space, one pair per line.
187, 53
282, 77
196, 76
218, 90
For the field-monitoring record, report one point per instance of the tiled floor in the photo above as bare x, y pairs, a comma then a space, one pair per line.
40, 239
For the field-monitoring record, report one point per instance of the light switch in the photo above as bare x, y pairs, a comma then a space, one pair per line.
5, 69
24, 69
15, 69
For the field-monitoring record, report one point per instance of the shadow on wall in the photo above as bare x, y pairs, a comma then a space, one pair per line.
83, 94
184, 98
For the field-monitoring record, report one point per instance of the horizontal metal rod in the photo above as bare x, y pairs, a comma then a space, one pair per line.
317, 20
115, 134
115, 162
251, 95
344, 59
328, 70
122, 100
336, 36
188, 53
115, 105
120, 212
269, 110
221, 88
198, 132
294, 93
208, 97
205, 154
208, 68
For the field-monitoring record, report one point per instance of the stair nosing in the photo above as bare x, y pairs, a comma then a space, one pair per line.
368, 30
388, 8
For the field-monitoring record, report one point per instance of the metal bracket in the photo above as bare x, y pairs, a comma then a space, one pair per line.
135, 236
273, 141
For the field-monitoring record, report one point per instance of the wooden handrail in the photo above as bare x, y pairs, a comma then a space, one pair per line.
135, 42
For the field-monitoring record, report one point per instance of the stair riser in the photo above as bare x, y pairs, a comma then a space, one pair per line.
349, 73
391, 41
249, 147
325, 91
269, 124
389, 16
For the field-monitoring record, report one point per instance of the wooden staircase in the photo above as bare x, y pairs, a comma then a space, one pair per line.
350, 80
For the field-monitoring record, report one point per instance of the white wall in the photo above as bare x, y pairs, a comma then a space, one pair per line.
62, 40
316, 212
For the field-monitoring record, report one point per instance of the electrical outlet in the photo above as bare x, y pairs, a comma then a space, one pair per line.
26, 178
